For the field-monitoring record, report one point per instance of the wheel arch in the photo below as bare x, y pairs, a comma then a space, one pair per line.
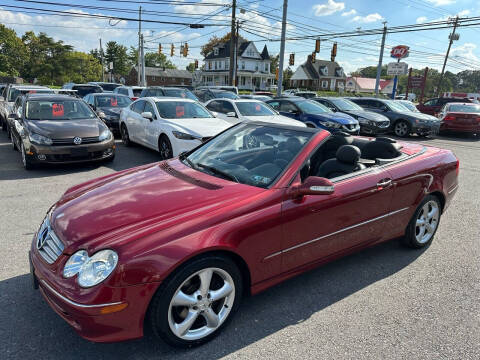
441, 196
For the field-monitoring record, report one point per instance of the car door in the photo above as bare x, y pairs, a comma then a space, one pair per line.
288, 108
320, 227
151, 128
429, 107
136, 122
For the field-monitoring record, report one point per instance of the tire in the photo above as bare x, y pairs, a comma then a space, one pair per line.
27, 163
12, 141
4, 124
418, 236
125, 136
165, 147
196, 304
402, 128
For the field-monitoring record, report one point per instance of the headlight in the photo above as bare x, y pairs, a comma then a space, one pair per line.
91, 270
331, 124
40, 139
105, 135
184, 136
362, 120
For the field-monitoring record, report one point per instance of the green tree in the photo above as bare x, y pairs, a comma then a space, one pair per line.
191, 67
214, 40
82, 68
152, 59
12, 52
274, 60
117, 54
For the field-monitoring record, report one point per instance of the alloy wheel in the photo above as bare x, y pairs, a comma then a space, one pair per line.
201, 304
401, 129
427, 222
165, 149
125, 137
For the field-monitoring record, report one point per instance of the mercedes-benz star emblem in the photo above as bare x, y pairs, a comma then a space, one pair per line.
77, 140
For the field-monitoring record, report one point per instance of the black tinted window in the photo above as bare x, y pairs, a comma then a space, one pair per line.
139, 106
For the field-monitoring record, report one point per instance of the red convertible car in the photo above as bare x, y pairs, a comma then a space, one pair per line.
175, 245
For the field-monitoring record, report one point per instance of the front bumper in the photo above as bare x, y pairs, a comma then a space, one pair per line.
465, 128
373, 129
431, 129
70, 153
87, 310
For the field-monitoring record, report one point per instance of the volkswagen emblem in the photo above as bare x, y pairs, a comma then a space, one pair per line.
77, 140
42, 238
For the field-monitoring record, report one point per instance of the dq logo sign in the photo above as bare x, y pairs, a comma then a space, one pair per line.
399, 52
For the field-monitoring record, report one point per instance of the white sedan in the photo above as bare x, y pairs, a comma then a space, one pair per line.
168, 125
235, 111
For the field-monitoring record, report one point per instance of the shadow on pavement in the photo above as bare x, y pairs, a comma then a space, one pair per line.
40, 334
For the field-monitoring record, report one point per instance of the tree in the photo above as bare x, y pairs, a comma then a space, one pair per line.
287, 74
12, 52
274, 60
152, 59
81, 68
117, 54
191, 67
214, 40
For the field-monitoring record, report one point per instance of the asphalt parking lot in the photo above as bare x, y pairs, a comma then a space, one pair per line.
386, 302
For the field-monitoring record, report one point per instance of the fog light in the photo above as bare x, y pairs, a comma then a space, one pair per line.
108, 152
41, 157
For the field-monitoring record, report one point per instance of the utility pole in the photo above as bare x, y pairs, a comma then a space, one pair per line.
452, 37
101, 57
144, 81
232, 42
139, 64
380, 59
235, 55
282, 48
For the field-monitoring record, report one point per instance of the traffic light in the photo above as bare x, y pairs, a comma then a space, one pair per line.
291, 61
276, 74
159, 48
172, 50
334, 52
314, 56
185, 50
196, 64
317, 45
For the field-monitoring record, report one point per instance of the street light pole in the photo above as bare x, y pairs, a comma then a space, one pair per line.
139, 63
232, 44
282, 48
380, 59
452, 37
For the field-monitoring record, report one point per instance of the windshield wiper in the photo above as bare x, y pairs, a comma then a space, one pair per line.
218, 172
189, 162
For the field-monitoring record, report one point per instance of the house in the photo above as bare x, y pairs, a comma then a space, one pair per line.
367, 85
253, 67
157, 76
319, 75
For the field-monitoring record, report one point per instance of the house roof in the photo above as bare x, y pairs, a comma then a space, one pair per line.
224, 50
313, 70
169, 73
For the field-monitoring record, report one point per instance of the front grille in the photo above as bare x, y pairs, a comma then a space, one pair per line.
69, 141
48, 244
349, 127
94, 155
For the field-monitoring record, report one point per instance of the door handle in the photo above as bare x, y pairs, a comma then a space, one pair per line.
384, 183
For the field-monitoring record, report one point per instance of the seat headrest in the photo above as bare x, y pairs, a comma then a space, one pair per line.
293, 144
349, 154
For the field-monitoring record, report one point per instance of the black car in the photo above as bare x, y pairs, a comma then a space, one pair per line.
206, 94
83, 89
106, 86
306, 94
370, 122
108, 107
403, 122
168, 91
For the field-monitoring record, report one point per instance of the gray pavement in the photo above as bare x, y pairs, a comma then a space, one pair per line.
386, 302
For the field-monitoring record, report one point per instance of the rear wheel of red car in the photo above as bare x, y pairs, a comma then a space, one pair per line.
196, 302
165, 148
424, 223
125, 136
401, 128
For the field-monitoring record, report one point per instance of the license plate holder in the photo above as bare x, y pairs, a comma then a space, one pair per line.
79, 152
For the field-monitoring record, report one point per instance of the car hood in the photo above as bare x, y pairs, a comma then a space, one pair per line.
60, 129
415, 115
277, 119
338, 117
111, 110
369, 115
166, 196
201, 127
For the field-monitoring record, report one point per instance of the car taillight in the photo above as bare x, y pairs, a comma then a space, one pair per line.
478, 119
134, 98
449, 118
457, 169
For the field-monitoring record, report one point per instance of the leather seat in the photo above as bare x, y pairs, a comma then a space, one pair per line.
345, 162
381, 149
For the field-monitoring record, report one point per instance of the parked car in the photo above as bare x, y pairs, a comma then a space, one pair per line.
174, 246
58, 129
264, 93
83, 89
68, 92
460, 117
370, 122
108, 107
133, 92
235, 111
208, 94
409, 105
170, 126
263, 98
433, 106
403, 122
233, 89
10, 94
314, 114
168, 91
410, 97
306, 94
107, 87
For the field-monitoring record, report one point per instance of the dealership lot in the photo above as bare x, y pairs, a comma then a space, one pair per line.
385, 302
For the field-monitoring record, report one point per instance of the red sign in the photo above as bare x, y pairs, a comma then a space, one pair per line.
415, 82
180, 111
113, 101
399, 52
57, 110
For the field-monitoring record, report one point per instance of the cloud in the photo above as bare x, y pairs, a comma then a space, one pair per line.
465, 12
328, 8
349, 13
421, 19
368, 19
200, 9
441, 2
465, 52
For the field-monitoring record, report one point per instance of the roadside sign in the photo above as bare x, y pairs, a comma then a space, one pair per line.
399, 52
400, 68
415, 82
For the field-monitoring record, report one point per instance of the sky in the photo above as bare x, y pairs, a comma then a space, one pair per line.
261, 22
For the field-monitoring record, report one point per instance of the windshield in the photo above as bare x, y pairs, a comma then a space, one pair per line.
312, 107
226, 95
254, 109
464, 108
180, 93
14, 93
137, 92
230, 155
58, 110
108, 101
409, 105
85, 90
181, 110
345, 105
396, 106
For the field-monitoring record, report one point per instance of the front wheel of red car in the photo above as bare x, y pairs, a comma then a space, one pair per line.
196, 302
424, 223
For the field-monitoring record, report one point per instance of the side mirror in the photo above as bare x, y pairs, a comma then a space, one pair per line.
101, 115
214, 113
147, 115
231, 114
313, 186
13, 116
333, 109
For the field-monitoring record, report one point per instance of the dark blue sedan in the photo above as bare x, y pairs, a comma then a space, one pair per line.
315, 115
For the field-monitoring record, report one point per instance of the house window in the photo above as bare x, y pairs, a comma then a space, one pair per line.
153, 78
227, 64
266, 67
243, 65
243, 80
209, 65
256, 66
225, 80
215, 51
216, 65
324, 84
